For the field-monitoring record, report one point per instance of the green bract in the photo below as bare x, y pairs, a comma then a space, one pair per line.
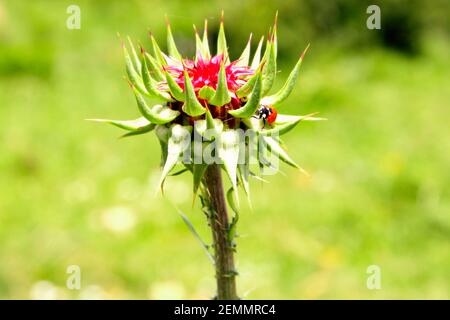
214, 99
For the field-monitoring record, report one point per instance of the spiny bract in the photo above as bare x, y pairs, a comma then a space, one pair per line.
209, 92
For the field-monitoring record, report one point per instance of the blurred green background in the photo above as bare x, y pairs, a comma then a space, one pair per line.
71, 193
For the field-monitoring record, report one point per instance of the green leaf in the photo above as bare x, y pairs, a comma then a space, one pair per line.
135, 127
222, 96
205, 41
269, 70
249, 109
129, 125
174, 88
244, 173
191, 104
263, 158
157, 52
153, 66
284, 118
201, 46
163, 133
198, 45
229, 153
198, 173
196, 235
222, 42
133, 76
253, 123
233, 202
135, 58
288, 86
151, 85
213, 124
209, 124
245, 56
157, 114
274, 35
280, 129
179, 172
179, 140
257, 57
247, 88
278, 151
206, 93
139, 131
171, 46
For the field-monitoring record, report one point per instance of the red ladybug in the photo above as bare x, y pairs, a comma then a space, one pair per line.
268, 114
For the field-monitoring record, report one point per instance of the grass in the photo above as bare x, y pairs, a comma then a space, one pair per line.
71, 193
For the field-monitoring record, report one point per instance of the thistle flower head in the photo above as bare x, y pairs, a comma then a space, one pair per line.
205, 72
211, 92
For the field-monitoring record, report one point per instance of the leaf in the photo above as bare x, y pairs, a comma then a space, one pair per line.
222, 42
274, 35
191, 104
257, 57
278, 151
133, 76
139, 131
234, 205
135, 59
179, 172
247, 88
163, 133
288, 86
130, 125
201, 46
205, 41
171, 46
197, 173
157, 52
232, 200
263, 161
269, 70
245, 56
174, 88
157, 114
253, 123
280, 129
198, 45
214, 127
244, 173
153, 67
284, 118
253, 103
202, 125
229, 153
150, 84
179, 140
196, 235
212, 123
206, 93
222, 96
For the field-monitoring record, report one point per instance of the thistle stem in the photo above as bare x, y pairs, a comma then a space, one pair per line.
218, 219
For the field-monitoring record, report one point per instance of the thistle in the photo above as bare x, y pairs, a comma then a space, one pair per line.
213, 113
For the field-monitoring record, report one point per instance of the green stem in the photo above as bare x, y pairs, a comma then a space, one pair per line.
218, 219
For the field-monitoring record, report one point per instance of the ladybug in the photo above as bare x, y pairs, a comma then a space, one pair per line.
268, 114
